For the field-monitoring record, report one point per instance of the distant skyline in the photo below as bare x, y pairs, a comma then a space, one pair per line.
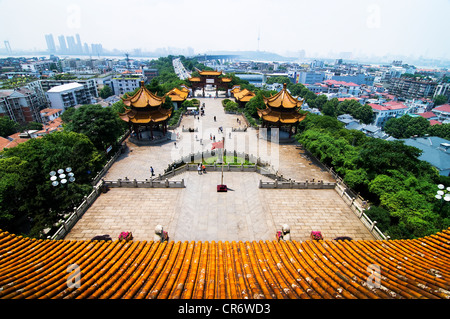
320, 27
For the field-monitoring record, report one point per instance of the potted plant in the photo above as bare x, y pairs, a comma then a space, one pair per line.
316, 235
125, 236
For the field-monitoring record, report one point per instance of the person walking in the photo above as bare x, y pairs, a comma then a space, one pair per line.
204, 169
152, 171
199, 169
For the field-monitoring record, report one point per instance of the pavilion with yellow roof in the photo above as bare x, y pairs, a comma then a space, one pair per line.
282, 109
144, 109
178, 96
242, 96
212, 78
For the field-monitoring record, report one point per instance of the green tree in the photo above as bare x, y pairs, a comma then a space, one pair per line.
365, 114
440, 131
407, 126
440, 99
330, 107
101, 125
106, 92
7, 126
29, 200
257, 102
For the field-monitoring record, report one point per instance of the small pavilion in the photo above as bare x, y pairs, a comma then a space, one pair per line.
282, 109
212, 78
144, 110
242, 96
178, 96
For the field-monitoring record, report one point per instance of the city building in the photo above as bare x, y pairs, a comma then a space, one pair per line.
49, 114
149, 74
21, 105
410, 88
62, 44
435, 150
442, 112
359, 78
442, 89
68, 95
254, 79
90, 85
126, 82
50, 43
309, 77
387, 110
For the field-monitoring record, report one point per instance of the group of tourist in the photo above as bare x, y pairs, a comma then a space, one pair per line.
201, 169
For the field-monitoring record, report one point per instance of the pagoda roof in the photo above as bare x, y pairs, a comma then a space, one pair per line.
178, 95
243, 95
143, 98
274, 116
213, 73
283, 99
146, 116
194, 79
325, 269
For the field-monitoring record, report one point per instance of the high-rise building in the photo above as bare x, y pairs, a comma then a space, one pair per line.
62, 44
79, 45
85, 48
97, 48
71, 44
50, 43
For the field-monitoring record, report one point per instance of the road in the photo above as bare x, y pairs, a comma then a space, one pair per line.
181, 72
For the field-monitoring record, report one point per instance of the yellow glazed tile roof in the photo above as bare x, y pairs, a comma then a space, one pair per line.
282, 99
210, 73
143, 98
242, 95
37, 268
178, 95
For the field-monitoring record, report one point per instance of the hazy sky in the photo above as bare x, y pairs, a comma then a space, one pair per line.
320, 26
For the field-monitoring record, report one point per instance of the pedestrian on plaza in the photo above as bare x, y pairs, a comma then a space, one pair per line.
175, 144
214, 138
199, 169
229, 135
152, 171
204, 169
214, 118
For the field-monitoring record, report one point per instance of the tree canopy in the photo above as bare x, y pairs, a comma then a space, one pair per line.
28, 201
389, 174
101, 125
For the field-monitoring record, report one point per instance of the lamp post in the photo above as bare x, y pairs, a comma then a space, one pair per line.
60, 177
443, 194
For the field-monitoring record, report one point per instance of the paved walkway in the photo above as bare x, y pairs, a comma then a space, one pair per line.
198, 212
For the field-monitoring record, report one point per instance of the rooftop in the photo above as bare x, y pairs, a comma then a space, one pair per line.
330, 269
433, 152
65, 87
442, 108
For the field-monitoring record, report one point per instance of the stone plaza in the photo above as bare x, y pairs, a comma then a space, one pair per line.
198, 212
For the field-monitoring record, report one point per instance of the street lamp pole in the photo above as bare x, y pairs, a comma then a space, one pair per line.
63, 177
443, 194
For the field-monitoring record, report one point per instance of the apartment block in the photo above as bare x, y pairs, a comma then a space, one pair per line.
68, 95
410, 88
21, 105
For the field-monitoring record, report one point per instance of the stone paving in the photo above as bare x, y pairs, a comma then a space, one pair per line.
198, 212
